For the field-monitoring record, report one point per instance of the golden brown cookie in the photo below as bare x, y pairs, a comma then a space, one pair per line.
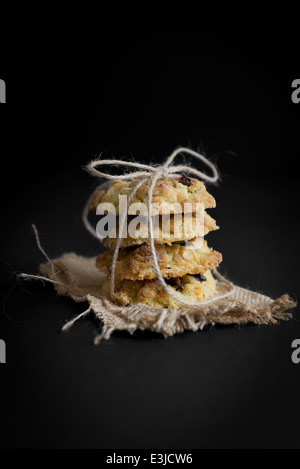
150, 292
174, 261
166, 193
164, 234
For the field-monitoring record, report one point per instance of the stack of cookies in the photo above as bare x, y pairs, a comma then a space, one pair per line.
184, 258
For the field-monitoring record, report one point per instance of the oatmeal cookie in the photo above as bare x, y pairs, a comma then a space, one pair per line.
163, 234
174, 261
166, 193
191, 288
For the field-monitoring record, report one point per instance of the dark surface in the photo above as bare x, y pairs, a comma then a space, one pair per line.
141, 85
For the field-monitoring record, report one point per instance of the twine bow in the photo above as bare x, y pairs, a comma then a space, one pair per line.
166, 170
150, 174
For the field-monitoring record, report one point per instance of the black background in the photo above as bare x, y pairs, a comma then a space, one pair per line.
137, 85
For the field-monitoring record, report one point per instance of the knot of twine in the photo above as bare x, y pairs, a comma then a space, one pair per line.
150, 175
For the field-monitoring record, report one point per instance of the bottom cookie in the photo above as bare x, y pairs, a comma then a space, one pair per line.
190, 287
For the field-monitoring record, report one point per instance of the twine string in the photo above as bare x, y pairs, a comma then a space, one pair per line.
151, 174
86, 211
118, 244
51, 279
165, 170
38, 242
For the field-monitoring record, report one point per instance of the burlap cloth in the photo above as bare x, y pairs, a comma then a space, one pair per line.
78, 278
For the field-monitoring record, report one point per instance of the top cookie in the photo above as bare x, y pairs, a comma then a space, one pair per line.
166, 193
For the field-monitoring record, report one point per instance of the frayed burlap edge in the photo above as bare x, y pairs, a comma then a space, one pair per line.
78, 278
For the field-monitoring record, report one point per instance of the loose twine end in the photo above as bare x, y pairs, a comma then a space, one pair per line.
52, 279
